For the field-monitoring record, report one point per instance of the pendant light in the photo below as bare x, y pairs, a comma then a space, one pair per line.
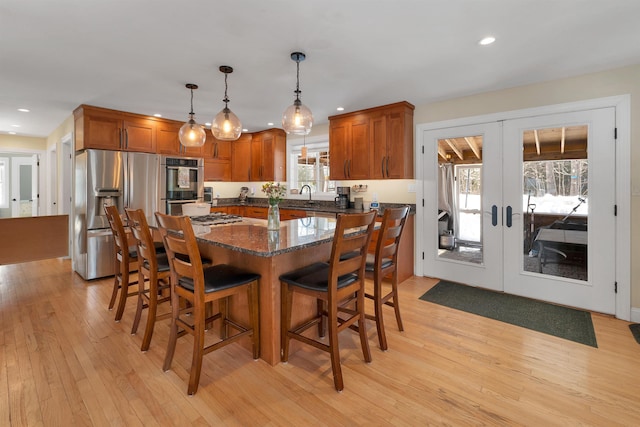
191, 133
297, 118
226, 126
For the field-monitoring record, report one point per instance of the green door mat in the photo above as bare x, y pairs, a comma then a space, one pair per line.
563, 322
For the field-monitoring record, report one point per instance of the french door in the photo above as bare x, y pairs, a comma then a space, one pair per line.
540, 193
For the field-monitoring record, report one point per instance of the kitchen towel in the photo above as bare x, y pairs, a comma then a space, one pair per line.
183, 178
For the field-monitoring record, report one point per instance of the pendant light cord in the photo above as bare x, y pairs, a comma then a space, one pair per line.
191, 113
297, 79
226, 98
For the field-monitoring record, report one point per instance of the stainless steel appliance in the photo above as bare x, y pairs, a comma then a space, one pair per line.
242, 198
181, 181
102, 178
342, 199
208, 195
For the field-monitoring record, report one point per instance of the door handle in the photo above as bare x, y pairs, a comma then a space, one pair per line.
382, 166
126, 139
509, 215
494, 215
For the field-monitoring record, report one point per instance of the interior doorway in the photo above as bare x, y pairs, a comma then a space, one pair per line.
493, 177
24, 186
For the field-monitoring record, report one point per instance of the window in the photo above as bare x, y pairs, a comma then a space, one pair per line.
4, 182
312, 170
469, 191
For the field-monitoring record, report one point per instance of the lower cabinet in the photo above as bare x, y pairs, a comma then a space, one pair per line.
256, 212
286, 214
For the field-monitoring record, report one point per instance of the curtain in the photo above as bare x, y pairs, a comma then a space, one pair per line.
446, 195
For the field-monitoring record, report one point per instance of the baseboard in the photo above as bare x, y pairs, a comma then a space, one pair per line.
635, 314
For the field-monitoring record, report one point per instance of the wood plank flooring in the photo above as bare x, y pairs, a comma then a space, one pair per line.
64, 361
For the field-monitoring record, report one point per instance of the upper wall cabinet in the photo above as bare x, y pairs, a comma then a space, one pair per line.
260, 156
376, 143
113, 130
217, 159
167, 141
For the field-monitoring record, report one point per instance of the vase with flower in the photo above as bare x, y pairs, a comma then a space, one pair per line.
275, 193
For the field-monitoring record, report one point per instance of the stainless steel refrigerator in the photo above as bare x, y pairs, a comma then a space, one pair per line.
123, 179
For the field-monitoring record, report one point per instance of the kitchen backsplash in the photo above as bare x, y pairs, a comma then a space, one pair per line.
387, 191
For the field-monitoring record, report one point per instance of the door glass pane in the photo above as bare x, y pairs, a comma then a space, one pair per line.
460, 199
555, 201
25, 191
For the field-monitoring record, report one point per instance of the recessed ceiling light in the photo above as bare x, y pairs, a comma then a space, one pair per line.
23, 110
157, 115
12, 133
270, 124
245, 130
487, 40
340, 108
16, 126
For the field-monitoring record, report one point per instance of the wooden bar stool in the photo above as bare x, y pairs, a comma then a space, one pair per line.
332, 284
384, 264
126, 261
199, 286
153, 276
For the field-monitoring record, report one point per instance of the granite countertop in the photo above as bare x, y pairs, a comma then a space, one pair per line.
252, 237
314, 206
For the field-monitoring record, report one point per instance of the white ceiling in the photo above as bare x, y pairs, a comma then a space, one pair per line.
137, 55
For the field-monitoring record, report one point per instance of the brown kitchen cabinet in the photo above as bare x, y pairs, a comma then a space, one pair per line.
256, 212
217, 159
286, 214
222, 209
260, 156
235, 210
349, 146
168, 141
376, 143
241, 158
106, 129
392, 142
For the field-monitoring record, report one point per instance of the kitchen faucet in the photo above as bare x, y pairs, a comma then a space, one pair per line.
302, 189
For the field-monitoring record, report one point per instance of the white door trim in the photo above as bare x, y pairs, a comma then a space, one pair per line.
622, 104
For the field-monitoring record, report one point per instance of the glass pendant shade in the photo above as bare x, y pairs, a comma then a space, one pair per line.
297, 119
192, 134
226, 125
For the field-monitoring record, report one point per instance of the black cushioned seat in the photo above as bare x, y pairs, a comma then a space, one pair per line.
220, 277
316, 277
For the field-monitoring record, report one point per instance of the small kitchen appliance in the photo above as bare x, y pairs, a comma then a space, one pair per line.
342, 199
242, 198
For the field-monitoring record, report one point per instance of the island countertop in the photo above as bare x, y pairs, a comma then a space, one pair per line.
250, 236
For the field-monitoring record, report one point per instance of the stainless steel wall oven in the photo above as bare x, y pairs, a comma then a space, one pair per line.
182, 181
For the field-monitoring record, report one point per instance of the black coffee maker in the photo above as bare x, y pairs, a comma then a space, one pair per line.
342, 199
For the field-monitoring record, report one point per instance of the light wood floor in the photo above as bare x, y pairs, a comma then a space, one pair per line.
64, 361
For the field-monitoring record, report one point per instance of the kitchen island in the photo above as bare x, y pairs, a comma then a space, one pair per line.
248, 244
